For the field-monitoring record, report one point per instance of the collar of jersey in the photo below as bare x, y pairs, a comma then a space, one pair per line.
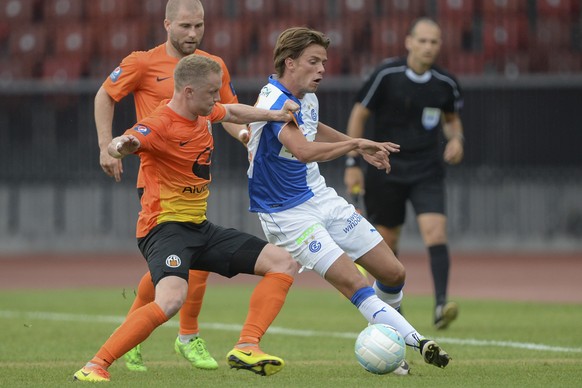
419, 79
279, 85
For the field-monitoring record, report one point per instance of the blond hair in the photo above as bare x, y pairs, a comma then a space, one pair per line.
192, 69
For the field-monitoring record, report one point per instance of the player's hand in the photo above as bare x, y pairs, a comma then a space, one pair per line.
392, 147
371, 147
454, 151
379, 160
290, 106
244, 136
123, 145
110, 165
286, 112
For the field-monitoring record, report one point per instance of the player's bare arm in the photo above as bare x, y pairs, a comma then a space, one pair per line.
238, 131
244, 114
313, 151
103, 111
123, 145
325, 133
453, 131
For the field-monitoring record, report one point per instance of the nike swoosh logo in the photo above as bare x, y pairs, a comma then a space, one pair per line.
85, 374
183, 143
246, 353
159, 79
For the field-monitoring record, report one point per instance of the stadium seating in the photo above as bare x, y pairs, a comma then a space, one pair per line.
16, 69
388, 36
62, 11
62, 68
493, 35
153, 10
505, 7
110, 10
560, 8
449, 10
27, 41
119, 39
17, 12
505, 34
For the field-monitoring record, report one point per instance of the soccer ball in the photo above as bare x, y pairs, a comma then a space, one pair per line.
380, 348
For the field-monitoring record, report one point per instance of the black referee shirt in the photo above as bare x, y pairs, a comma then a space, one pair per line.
407, 110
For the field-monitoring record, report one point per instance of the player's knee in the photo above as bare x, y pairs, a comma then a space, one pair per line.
284, 263
170, 305
275, 259
395, 275
171, 294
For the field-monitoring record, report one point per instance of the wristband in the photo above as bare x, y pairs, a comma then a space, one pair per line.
352, 161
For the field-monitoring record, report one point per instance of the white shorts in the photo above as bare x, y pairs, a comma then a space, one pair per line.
318, 231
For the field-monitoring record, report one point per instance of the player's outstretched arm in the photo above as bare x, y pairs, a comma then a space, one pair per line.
123, 145
377, 153
244, 114
238, 131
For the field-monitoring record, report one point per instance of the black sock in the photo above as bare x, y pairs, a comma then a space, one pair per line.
439, 264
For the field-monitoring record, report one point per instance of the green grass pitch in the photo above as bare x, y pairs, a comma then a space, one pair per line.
46, 335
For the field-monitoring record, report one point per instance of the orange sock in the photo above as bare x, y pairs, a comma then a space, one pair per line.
146, 293
266, 301
135, 329
193, 303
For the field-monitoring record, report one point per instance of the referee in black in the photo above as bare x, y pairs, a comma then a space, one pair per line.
411, 100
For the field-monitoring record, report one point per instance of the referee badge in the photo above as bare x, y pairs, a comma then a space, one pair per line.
430, 118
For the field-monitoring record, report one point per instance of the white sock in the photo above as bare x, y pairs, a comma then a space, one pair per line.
378, 311
185, 338
393, 300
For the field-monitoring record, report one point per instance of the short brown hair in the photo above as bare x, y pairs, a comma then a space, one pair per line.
292, 42
191, 69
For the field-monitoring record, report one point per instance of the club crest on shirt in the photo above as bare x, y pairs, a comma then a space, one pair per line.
430, 118
313, 114
173, 261
142, 129
115, 74
265, 91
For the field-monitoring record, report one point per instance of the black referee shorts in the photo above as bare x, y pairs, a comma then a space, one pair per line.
173, 248
386, 202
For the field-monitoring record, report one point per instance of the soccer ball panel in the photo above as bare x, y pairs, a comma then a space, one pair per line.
380, 349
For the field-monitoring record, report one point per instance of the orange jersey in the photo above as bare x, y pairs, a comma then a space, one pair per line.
175, 155
149, 75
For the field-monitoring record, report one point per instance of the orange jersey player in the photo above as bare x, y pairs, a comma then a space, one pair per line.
149, 76
175, 144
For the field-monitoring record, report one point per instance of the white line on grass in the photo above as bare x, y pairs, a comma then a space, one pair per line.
62, 317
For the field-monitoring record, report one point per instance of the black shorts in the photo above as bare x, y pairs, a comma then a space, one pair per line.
173, 248
386, 203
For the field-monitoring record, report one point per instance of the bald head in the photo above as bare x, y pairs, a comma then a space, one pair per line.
424, 21
174, 6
